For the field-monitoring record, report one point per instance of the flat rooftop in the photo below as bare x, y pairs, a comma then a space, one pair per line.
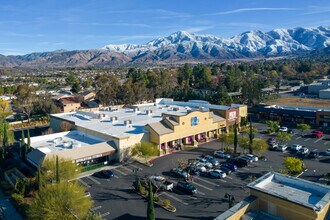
63, 141
299, 191
112, 122
296, 108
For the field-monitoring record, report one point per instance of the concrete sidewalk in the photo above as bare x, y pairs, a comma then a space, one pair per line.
9, 210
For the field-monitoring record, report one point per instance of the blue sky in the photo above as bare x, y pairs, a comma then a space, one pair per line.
33, 26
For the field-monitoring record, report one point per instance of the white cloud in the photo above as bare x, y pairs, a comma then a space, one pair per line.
239, 10
198, 29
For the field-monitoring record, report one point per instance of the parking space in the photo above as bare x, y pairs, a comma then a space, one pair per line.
115, 199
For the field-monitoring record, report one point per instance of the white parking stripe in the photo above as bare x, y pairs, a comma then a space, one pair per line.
229, 177
199, 192
193, 197
96, 208
175, 198
135, 166
125, 168
298, 137
105, 214
206, 181
223, 180
121, 172
318, 140
115, 176
94, 180
244, 168
307, 139
84, 183
202, 186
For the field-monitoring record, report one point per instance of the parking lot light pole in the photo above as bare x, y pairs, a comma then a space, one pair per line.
231, 199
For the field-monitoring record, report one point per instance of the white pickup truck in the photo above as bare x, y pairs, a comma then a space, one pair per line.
161, 183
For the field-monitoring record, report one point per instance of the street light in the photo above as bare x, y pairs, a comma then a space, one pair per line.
231, 199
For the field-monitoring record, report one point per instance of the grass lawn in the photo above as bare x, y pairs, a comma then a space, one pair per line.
297, 101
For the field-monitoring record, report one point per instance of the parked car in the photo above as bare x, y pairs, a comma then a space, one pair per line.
303, 151
317, 134
282, 147
273, 146
180, 172
221, 154
271, 140
198, 167
212, 160
314, 154
226, 170
283, 129
247, 158
217, 173
239, 162
186, 187
204, 162
253, 157
327, 152
106, 173
161, 183
230, 166
295, 147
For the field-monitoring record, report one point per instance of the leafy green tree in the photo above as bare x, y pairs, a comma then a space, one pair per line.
283, 136
67, 169
293, 164
259, 145
243, 142
150, 210
3, 105
303, 127
273, 125
222, 96
227, 139
44, 106
107, 87
251, 137
39, 181
25, 98
145, 149
65, 200
76, 87
28, 140
235, 138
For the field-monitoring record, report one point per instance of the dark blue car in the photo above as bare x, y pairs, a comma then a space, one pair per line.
230, 166
106, 173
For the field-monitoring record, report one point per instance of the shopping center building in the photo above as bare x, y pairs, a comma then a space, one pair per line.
276, 196
166, 123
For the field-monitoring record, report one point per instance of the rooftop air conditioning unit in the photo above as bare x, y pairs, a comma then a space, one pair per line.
149, 112
136, 110
176, 109
114, 119
128, 123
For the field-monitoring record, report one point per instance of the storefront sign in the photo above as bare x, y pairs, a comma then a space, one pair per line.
232, 115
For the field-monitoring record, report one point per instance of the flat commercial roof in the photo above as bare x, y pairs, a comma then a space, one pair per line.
112, 122
299, 191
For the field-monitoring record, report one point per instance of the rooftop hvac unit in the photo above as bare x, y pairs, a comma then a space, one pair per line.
114, 119
176, 109
128, 123
149, 112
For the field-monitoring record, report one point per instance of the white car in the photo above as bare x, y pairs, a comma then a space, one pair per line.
283, 129
217, 173
205, 162
303, 151
295, 147
199, 167
253, 157
221, 154
327, 152
282, 147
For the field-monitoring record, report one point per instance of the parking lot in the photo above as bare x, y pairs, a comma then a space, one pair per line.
115, 199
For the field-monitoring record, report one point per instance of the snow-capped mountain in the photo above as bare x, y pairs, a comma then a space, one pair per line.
183, 46
248, 44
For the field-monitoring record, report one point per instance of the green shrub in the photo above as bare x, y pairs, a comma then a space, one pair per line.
156, 198
167, 202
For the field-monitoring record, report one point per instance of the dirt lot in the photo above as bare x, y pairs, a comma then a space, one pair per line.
297, 101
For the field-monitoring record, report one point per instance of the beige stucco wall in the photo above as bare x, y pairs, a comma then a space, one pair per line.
184, 128
71, 107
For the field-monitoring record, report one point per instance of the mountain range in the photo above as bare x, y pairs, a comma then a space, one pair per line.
183, 46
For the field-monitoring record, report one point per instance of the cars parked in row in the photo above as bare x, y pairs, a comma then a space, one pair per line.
327, 152
221, 154
217, 173
211, 160
186, 187
282, 147
317, 134
180, 172
303, 151
106, 174
295, 147
161, 183
314, 154
283, 129
204, 162
230, 166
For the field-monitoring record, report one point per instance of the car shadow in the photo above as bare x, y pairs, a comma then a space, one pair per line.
326, 160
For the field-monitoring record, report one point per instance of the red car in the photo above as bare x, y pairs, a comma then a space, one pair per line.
317, 134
